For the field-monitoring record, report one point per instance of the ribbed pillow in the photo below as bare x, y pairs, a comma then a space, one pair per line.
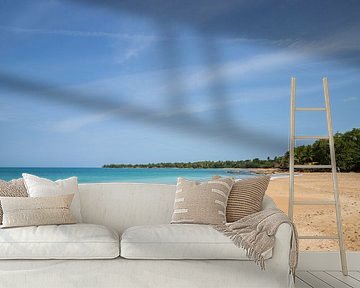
246, 197
201, 203
21, 211
13, 188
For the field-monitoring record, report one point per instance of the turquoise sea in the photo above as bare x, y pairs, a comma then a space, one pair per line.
140, 175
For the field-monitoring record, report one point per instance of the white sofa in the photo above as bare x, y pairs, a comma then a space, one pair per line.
119, 206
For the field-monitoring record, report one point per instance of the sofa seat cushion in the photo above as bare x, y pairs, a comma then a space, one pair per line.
74, 241
180, 241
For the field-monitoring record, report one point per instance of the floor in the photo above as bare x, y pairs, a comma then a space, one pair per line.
327, 279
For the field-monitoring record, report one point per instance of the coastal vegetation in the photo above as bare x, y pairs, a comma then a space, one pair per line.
347, 146
255, 163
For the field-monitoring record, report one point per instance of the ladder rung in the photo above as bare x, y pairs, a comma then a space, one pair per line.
318, 237
310, 109
311, 137
312, 166
315, 202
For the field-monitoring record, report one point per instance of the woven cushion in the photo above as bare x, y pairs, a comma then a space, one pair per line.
21, 211
246, 197
13, 188
202, 203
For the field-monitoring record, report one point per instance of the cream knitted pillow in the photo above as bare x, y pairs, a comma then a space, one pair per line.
27, 211
201, 203
13, 188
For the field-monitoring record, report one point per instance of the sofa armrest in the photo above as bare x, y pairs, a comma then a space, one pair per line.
282, 237
282, 244
281, 248
279, 263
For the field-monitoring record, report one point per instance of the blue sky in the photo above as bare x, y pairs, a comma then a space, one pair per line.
84, 83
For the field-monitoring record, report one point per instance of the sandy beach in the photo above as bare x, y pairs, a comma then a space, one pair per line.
320, 220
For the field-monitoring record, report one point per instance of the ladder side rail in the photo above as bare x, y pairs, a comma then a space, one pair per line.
292, 148
334, 178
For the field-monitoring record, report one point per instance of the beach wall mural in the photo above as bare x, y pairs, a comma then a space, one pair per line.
123, 91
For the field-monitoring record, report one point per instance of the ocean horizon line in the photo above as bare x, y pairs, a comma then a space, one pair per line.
101, 167
105, 175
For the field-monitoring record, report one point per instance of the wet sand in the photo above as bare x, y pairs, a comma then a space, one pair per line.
320, 220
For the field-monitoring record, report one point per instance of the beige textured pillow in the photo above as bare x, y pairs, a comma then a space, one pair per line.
202, 203
20, 211
246, 197
13, 188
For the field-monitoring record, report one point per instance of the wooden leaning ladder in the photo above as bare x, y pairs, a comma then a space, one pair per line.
292, 167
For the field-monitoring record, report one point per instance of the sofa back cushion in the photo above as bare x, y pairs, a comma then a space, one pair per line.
122, 205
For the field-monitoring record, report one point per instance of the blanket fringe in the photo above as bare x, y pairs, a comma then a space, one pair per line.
256, 234
240, 243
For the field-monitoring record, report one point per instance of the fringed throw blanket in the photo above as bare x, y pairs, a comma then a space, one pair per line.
256, 234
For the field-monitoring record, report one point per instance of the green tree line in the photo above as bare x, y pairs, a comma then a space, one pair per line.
347, 147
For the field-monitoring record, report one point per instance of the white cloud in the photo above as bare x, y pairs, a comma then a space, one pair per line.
213, 74
8, 113
350, 99
135, 43
155, 89
76, 33
133, 49
253, 96
339, 42
76, 123
167, 82
146, 89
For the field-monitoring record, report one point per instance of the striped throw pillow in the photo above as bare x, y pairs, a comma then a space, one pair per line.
246, 197
201, 202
